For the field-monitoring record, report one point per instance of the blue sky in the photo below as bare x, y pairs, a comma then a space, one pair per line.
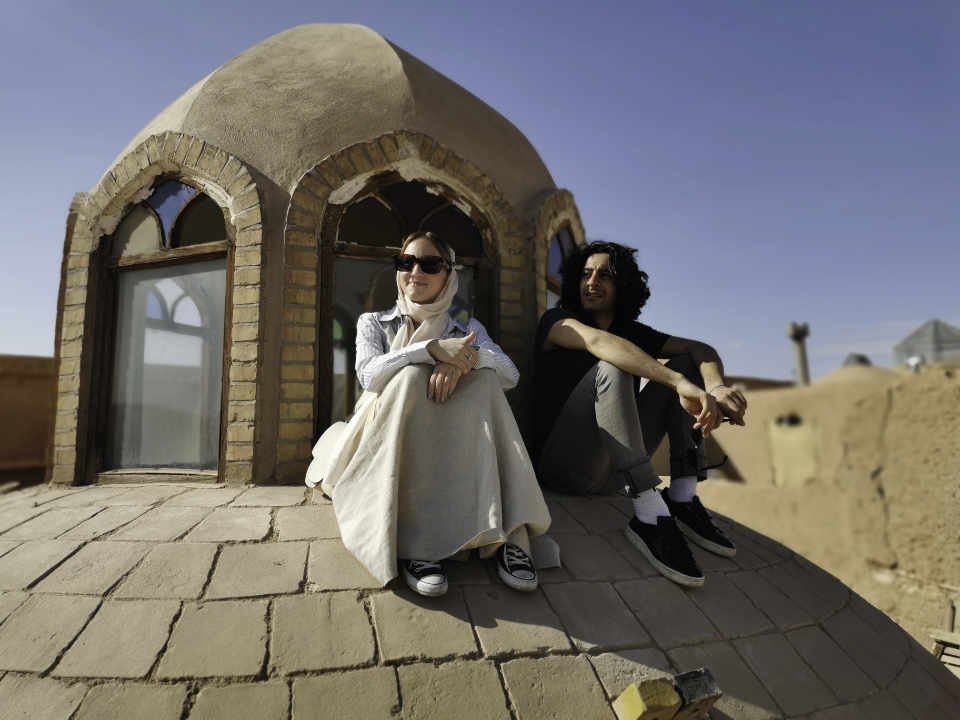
771, 161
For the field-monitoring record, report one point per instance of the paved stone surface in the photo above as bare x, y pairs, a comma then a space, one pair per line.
473, 572
836, 669
145, 495
170, 570
212, 497
51, 523
123, 640
94, 569
24, 696
12, 516
161, 524
818, 597
562, 521
884, 706
618, 670
10, 601
783, 611
791, 682
232, 525
918, 692
732, 612
7, 545
591, 557
270, 497
507, 621
36, 633
744, 698
435, 692
307, 522
332, 567
113, 701
217, 639
89, 496
414, 627
357, 695
105, 521
595, 616
320, 632
845, 712
263, 569
667, 612
865, 647
595, 514
263, 701
556, 688
20, 567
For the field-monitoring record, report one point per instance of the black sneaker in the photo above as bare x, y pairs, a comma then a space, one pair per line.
425, 577
664, 546
695, 522
516, 568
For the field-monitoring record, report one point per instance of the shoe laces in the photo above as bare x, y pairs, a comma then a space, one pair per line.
515, 558
424, 566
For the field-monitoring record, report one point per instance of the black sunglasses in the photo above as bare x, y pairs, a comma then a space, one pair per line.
431, 265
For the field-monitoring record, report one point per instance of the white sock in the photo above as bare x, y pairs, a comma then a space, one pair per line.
648, 506
683, 489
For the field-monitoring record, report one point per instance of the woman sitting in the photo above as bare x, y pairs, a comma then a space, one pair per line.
432, 463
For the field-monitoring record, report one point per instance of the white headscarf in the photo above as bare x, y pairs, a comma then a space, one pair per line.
432, 317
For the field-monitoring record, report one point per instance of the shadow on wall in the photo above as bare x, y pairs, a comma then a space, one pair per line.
27, 406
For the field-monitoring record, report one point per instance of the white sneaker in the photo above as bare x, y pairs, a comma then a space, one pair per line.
515, 568
425, 577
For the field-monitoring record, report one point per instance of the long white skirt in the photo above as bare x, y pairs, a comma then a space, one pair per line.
428, 480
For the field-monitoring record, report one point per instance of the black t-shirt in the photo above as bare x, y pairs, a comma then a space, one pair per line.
557, 371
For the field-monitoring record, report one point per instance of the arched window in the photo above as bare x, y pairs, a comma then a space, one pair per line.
167, 286
368, 232
562, 245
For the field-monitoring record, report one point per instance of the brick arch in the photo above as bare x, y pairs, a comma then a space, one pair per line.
96, 214
334, 181
558, 209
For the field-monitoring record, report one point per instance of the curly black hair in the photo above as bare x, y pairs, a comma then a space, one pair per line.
631, 281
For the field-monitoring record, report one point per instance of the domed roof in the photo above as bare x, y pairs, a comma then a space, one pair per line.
295, 98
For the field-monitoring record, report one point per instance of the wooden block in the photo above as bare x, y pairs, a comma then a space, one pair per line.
653, 699
698, 691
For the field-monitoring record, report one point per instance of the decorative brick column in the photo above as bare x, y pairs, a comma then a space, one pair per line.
94, 215
558, 209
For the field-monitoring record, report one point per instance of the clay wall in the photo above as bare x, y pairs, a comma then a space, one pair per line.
27, 405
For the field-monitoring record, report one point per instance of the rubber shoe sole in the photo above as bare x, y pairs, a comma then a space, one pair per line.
703, 542
516, 583
423, 588
668, 572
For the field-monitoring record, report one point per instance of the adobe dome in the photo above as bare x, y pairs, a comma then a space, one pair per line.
305, 93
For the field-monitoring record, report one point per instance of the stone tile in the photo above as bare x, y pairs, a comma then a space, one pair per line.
591, 557
744, 698
595, 514
667, 612
7, 545
217, 639
230, 524
555, 687
871, 652
103, 522
621, 504
320, 632
332, 567
820, 598
47, 493
710, 563
637, 561
51, 523
471, 572
728, 608
783, 611
37, 632
162, 524
89, 496
10, 601
411, 626
562, 521
508, 622
883, 706
316, 496
617, 670
595, 616
356, 695
834, 667
841, 712
882, 624
784, 674
26, 696
271, 495
252, 570
10, 517
307, 522
263, 701
145, 495
431, 691
122, 641
171, 570
113, 701
747, 558
94, 569
22, 566
921, 695
204, 497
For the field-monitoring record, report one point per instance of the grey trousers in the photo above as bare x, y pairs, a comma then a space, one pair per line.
599, 442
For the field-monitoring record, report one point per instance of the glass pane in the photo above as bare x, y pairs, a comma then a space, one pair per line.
200, 222
165, 404
138, 233
458, 230
365, 286
555, 257
412, 201
368, 222
167, 200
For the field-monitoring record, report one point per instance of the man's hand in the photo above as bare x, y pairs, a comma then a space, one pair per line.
700, 404
443, 381
455, 351
732, 403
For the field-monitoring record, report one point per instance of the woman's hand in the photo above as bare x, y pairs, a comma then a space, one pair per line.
732, 403
443, 381
458, 352
701, 405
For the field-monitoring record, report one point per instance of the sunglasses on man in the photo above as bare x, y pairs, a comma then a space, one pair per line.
431, 264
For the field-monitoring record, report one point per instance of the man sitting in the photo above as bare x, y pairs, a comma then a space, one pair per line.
593, 426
